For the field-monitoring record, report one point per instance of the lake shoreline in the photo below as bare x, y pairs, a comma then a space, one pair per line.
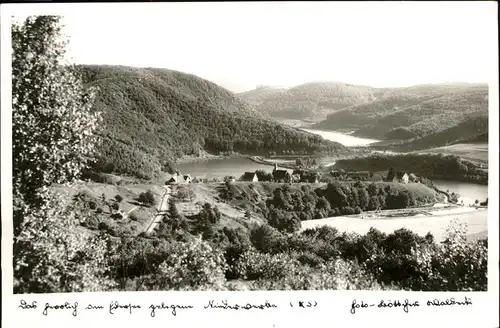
288, 165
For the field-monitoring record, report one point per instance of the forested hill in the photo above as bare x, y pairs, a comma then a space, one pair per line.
155, 116
307, 101
425, 115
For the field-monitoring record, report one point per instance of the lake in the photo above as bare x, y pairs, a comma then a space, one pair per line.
476, 221
342, 138
220, 168
468, 192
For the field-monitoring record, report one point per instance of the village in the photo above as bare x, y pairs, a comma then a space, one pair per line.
302, 175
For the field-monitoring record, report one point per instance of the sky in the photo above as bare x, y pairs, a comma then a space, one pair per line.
240, 45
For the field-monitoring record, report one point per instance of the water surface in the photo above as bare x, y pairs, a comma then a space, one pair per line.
342, 138
468, 192
220, 168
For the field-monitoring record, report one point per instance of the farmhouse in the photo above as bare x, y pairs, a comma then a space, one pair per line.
338, 174
306, 176
187, 178
295, 177
413, 178
250, 176
179, 179
174, 179
281, 175
401, 177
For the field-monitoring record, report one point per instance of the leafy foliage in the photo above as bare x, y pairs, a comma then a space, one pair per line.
147, 197
53, 122
53, 140
287, 207
51, 255
188, 266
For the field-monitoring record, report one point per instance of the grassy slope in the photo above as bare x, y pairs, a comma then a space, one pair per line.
418, 112
472, 129
246, 196
152, 116
92, 192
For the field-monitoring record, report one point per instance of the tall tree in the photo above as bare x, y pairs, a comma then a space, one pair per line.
53, 140
391, 174
53, 122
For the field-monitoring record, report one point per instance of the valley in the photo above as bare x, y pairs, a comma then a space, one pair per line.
152, 179
208, 149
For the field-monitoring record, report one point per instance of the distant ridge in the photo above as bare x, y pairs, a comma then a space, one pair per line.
307, 100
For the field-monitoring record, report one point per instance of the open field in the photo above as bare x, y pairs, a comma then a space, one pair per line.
434, 221
93, 192
475, 152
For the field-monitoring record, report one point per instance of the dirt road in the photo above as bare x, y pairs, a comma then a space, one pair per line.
160, 211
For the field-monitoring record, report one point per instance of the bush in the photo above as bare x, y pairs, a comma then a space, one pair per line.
254, 265
119, 198
92, 205
103, 226
189, 266
454, 265
281, 272
99, 210
265, 238
309, 259
115, 206
91, 222
132, 216
117, 216
147, 198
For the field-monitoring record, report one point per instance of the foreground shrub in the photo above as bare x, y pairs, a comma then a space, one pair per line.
189, 266
52, 255
53, 120
254, 265
237, 242
455, 264
266, 238
333, 275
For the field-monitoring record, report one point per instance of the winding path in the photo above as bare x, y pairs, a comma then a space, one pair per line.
160, 211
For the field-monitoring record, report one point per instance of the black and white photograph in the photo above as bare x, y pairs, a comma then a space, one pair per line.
255, 146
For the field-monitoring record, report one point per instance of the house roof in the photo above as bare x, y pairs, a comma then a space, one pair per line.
411, 175
359, 173
400, 174
249, 175
280, 173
